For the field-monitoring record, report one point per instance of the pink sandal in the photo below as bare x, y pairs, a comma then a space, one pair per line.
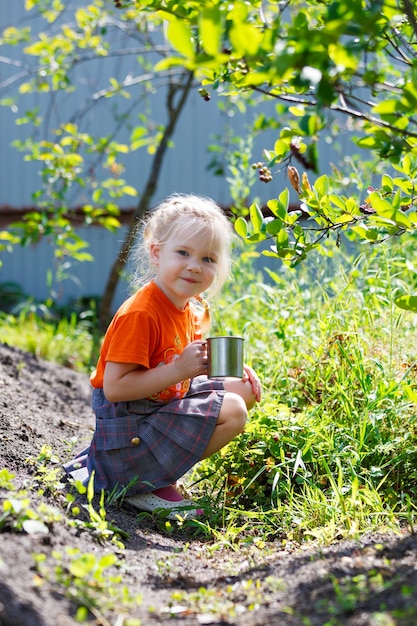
166, 498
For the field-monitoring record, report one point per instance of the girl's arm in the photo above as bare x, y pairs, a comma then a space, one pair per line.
124, 382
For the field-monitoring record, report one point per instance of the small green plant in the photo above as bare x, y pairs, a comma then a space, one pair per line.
91, 582
48, 472
6, 479
231, 600
351, 592
48, 479
117, 495
19, 514
97, 522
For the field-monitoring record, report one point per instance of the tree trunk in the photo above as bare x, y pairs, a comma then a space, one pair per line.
174, 112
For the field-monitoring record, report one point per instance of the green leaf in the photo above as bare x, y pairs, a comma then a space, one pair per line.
280, 207
277, 209
286, 253
412, 217
408, 165
241, 227
169, 62
181, 38
90, 487
322, 185
284, 198
342, 57
6, 478
281, 148
274, 226
365, 233
81, 567
256, 217
386, 107
129, 190
26, 88
368, 143
297, 111
405, 185
385, 209
387, 182
345, 218
282, 239
210, 30
408, 303
337, 201
107, 560
246, 39
111, 223
82, 256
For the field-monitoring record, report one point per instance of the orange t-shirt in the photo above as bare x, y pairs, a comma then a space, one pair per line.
149, 330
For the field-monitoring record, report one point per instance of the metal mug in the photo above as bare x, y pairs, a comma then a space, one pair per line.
225, 357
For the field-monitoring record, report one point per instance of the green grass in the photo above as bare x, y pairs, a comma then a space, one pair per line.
67, 341
331, 451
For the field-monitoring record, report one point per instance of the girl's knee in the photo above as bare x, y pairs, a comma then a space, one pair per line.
242, 388
231, 422
234, 411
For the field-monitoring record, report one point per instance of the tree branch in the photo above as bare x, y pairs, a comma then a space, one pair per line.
409, 11
174, 112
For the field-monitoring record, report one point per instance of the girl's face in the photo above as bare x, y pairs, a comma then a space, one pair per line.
186, 265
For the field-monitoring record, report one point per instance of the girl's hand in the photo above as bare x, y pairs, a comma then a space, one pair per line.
193, 359
248, 387
250, 375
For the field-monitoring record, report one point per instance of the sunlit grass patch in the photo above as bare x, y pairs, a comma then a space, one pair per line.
331, 451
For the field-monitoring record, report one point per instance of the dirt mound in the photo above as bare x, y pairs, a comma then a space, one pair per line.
355, 583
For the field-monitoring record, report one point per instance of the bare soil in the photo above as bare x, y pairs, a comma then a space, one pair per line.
181, 578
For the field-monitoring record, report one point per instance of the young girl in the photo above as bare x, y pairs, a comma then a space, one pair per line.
157, 413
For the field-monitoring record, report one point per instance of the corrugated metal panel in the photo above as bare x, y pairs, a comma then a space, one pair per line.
29, 267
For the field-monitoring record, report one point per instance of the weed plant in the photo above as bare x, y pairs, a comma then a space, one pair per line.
331, 451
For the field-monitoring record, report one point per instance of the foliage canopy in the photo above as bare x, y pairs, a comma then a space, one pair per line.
320, 62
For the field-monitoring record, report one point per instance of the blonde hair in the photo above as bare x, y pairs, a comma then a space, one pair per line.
172, 216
